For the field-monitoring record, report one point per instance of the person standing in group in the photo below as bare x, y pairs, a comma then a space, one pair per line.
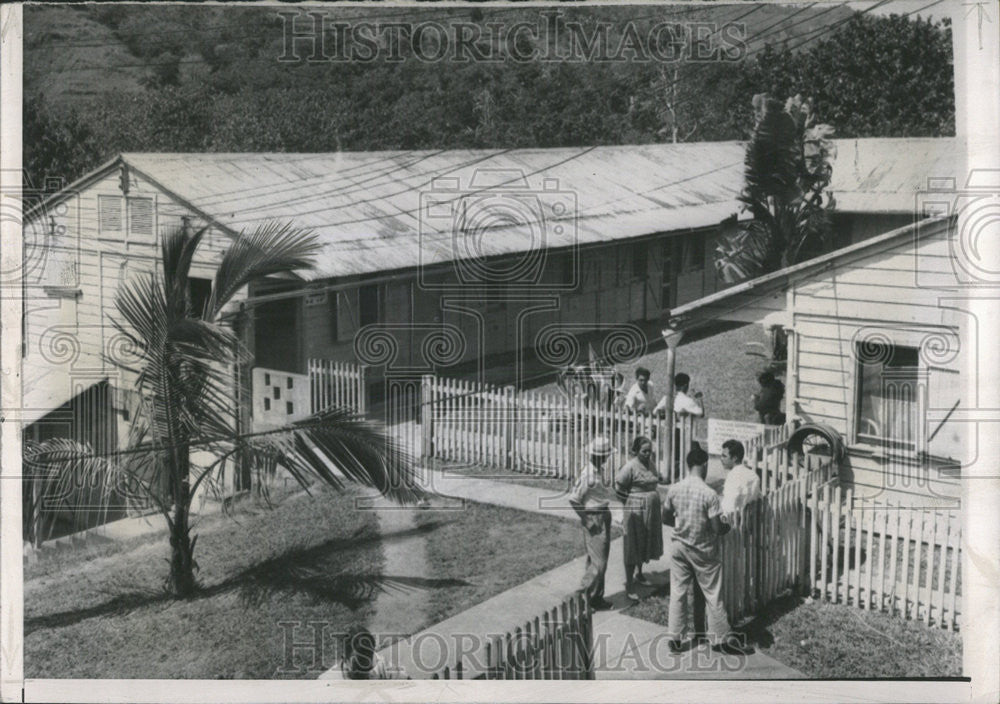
767, 401
692, 508
642, 526
685, 406
591, 498
742, 483
640, 397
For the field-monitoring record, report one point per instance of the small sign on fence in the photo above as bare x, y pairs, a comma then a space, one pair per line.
721, 430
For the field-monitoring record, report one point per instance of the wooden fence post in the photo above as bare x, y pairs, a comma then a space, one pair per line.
510, 427
427, 416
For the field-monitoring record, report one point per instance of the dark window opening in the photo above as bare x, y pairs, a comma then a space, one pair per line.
368, 305
693, 256
199, 291
569, 269
640, 260
667, 285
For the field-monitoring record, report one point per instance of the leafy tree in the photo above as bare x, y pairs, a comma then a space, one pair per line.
875, 77
789, 163
245, 100
185, 385
54, 147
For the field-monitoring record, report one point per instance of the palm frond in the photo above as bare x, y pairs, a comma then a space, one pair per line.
178, 249
744, 255
337, 445
270, 249
65, 475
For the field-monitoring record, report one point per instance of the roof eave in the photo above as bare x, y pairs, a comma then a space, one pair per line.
780, 280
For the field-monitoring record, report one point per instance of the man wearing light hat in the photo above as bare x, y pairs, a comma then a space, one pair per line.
591, 498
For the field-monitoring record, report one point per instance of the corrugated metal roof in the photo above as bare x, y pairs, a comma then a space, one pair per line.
885, 175
373, 210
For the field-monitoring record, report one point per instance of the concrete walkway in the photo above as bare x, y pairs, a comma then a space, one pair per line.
625, 647
405, 552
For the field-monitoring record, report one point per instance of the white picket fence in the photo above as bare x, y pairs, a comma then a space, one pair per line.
340, 384
806, 532
532, 432
879, 556
767, 551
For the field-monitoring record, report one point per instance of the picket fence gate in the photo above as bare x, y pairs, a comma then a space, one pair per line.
555, 645
766, 553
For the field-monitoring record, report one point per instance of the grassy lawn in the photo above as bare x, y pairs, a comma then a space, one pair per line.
824, 640
101, 615
494, 549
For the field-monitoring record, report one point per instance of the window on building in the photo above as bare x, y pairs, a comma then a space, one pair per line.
693, 252
640, 260
200, 290
568, 262
667, 287
109, 215
888, 395
140, 216
368, 305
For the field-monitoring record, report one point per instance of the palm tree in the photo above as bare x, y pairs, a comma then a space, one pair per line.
788, 166
185, 386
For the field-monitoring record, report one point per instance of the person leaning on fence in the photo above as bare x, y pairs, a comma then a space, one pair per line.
639, 397
742, 483
685, 406
591, 499
692, 508
635, 484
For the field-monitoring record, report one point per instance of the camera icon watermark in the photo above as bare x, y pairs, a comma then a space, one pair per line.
49, 229
973, 247
498, 231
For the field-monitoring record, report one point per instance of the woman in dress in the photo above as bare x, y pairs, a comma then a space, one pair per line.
643, 532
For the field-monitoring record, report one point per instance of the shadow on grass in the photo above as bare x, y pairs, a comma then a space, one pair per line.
298, 571
757, 631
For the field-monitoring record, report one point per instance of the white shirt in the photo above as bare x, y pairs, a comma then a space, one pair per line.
686, 405
742, 486
637, 399
590, 489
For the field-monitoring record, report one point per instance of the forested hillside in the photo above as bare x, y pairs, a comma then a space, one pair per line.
100, 79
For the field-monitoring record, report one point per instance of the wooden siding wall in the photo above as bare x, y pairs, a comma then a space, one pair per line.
880, 298
606, 294
89, 267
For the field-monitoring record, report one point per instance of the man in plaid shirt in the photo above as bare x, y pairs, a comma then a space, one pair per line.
692, 508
